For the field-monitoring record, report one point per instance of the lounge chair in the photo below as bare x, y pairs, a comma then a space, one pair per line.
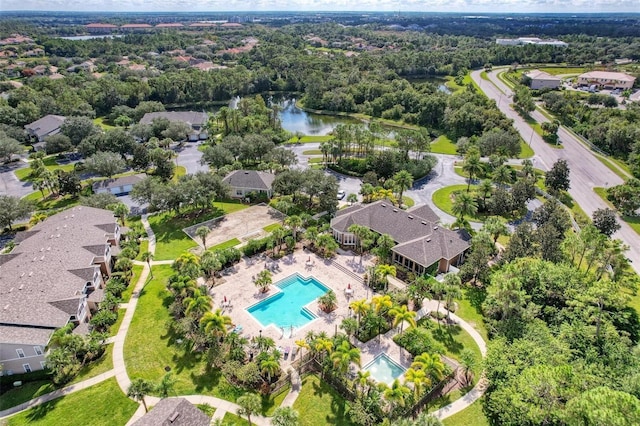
286, 351
294, 351
238, 329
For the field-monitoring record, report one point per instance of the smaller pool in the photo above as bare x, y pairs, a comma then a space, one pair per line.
384, 369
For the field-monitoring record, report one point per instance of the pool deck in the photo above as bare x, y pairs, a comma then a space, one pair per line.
240, 291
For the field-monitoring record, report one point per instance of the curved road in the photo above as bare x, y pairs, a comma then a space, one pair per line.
587, 171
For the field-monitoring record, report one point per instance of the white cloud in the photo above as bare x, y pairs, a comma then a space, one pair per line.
494, 6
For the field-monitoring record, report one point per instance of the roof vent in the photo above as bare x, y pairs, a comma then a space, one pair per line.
49, 248
31, 273
395, 210
423, 222
42, 249
174, 416
7, 306
21, 287
42, 258
35, 258
22, 275
410, 217
11, 289
58, 236
73, 215
428, 239
383, 205
435, 228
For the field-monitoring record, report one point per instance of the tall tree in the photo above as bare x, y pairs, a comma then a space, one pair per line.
138, 389
250, 404
404, 181
105, 164
605, 220
12, 209
557, 178
464, 205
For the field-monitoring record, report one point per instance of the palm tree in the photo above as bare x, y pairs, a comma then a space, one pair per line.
249, 404
263, 280
328, 302
468, 363
404, 181
401, 314
473, 166
198, 304
215, 323
382, 271
464, 205
344, 355
367, 190
360, 307
495, 226
431, 364
125, 266
270, 366
322, 346
283, 206
285, 416
302, 344
202, 232
120, 210
294, 223
383, 246
438, 289
187, 264
363, 379
147, 256
396, 394
381, 303
486, 189
502, 175
210, 263
37, 218
452, 291
138, 389
419, 379
166, 385
278, 234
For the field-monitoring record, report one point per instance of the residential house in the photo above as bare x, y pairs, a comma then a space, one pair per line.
40, 129
54, 276
197, 121
136, 28
173, 412
245, 182
422, 245
98, 28
118, 186
607, 79
543, 80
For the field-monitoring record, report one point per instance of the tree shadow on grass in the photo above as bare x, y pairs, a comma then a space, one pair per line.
476, 297
446, 336
338, 414
41, 411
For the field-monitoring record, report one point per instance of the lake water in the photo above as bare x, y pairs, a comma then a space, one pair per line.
90, 37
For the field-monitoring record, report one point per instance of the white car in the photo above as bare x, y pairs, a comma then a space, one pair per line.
341, 194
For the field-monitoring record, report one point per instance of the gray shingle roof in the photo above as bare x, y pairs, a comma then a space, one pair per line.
24, 335
46, 273
250, 179
46, 126
112, 183
174, 412
193, 118
415, 231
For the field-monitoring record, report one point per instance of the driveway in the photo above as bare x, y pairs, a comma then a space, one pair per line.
189, 157
9, 183
587, 171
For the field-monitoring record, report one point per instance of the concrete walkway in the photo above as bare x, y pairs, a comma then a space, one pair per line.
57, 394
478, 390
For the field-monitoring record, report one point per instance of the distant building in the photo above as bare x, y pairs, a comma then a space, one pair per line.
543, 80
244, 182
606, 79
170, 25
117, 186
197, 121
529, 40
98, 28
39, 130
136, 28
54, 276
174, 412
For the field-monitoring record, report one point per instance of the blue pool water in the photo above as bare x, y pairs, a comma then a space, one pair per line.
384, 369
286, 308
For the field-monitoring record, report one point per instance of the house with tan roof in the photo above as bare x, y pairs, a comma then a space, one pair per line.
543, 80
244, 182
100, 28
422, 245
54, 276
197, 121
606, 79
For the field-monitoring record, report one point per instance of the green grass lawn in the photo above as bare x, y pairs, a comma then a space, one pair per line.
443, 145
632, 221
171, 241
231, 419
443, 199
318, 404
469, 309
272, 227
97, 367
149, 347
471, 416
49, 202
614, 166
525, 151
179, 171
144, 247
315, 160
103, 123
113, 330
227, 244
563, 70
102, 404
455, 340
24, 393
408, 201
312, 152
311, 139
24, 174
270, 403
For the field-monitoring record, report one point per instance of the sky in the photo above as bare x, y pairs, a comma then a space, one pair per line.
465, 6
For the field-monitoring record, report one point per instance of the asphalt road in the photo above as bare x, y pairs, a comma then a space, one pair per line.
586, 170
9, 183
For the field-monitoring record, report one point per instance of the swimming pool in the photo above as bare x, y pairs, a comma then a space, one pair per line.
384, 369
286, 308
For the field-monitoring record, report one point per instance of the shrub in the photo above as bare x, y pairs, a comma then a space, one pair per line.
103, 319
418, 340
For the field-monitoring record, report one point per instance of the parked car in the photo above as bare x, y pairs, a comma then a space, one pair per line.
341, 194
